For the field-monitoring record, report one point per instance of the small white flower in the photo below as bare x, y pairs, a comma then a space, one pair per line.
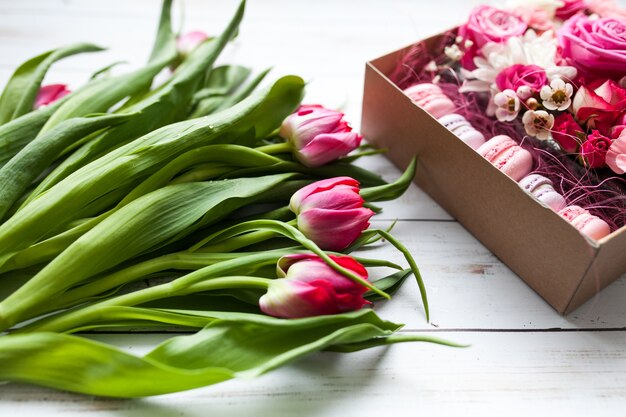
557, 96
507, 104
431, 66
453, 52
524, 92
538, 123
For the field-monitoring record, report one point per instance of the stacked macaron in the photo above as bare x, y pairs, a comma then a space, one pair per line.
463, 129
506, 155
543, 190
585, 222
430, 98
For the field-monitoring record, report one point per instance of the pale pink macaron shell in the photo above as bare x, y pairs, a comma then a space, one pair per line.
585, 222
453, 121
506, 155
418, 92
438, 105
543, 190
470, 136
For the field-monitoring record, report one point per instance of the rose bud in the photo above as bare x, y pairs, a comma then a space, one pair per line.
331, 213
50, 93
189, 41
310, 288
599, 104
593, 150
565, 132
319, 135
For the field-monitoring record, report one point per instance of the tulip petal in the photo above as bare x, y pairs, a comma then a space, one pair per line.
326, 148
334, 229
299, 196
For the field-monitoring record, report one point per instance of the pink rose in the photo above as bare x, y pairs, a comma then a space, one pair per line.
606, 8
50, 93
596, 47
311, 288
535, 17
616, 155
518, 75
593, 151
599, 104
488, 24
570, 8
330, 212
618, 126
566, 132
319, 135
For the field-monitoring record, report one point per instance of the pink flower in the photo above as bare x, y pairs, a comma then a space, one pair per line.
535, 17
331, 213
616, 155
596, 47
607, 8
488, 24
50, 93
566, 132
319, 135
570, 8
593, 151
599, 104
190, 41
518, 75
310, 288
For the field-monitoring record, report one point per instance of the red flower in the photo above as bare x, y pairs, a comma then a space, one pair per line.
310, 288
566, 132
599, 104
319, 135
594, 150
331, 213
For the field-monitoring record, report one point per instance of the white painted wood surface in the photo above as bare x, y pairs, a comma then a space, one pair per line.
524, 359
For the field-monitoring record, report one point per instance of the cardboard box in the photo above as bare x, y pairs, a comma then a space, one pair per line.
547, 252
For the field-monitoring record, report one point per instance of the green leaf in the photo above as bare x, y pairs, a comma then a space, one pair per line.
18, 174
20, 92
102, 94
394, 190
390, 284
242, 347
132, 163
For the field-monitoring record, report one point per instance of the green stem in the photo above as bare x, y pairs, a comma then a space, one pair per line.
97, 312
283, 147
237, 242
409, 258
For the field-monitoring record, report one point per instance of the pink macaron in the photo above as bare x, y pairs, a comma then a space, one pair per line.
543, 190
506, 155
585, 222
430, 97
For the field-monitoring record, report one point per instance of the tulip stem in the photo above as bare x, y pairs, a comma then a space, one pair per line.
409, 258
283, 147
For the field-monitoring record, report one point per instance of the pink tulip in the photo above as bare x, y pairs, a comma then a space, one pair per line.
319, 135
311, 288
190, 41
331, 213
50, 93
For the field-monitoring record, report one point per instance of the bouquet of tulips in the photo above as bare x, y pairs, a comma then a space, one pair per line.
237, 205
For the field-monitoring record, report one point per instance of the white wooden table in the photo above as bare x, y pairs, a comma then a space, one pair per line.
524, 357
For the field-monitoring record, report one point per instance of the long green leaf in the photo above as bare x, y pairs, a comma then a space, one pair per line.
17, 175
130, 164
100, 95
20, 92
245, 346
167, 105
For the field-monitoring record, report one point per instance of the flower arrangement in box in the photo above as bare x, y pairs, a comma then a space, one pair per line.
539, 89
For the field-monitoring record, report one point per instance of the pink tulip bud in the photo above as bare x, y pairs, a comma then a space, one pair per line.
190, 41
50, 93
310, 288
319, 135
331, 213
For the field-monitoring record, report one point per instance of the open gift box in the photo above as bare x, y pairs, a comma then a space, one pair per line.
562, 265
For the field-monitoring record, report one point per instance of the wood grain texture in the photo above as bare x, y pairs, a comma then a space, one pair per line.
524, 357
